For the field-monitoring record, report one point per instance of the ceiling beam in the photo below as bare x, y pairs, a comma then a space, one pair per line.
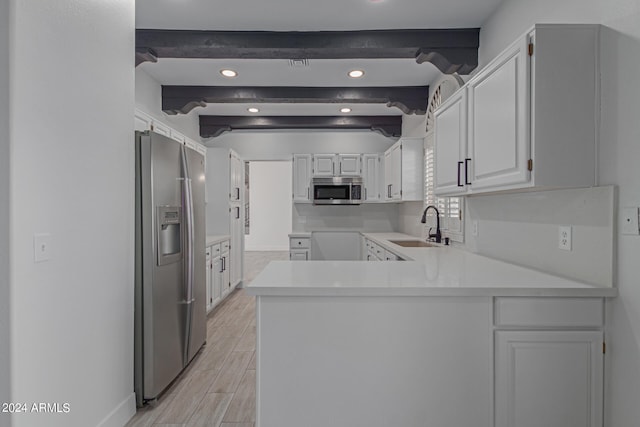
212, 126
182, 99
451, 50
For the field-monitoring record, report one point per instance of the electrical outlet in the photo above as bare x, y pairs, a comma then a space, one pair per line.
564, 237
474, 225
41, 247
629, 223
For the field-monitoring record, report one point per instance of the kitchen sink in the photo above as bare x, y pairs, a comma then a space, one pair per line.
414, 244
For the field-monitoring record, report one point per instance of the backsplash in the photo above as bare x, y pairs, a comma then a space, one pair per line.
409, 215
373, 217
523, 228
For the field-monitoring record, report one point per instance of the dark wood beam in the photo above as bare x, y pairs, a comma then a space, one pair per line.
182, 99
212, 126
451, 50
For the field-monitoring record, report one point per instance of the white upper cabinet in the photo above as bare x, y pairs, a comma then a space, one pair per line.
323, 165
302, 177
371, 177
348, 164
236, 181
336, 164
498, 120
143, 121
451, 144
404, 170
532, 117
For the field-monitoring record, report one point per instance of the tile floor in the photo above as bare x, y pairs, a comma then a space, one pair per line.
218, 388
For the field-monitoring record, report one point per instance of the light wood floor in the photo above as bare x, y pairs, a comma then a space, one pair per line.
218, 388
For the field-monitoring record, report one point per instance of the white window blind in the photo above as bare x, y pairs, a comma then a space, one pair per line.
450, 208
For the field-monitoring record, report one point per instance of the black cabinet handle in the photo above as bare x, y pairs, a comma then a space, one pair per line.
459, 168
466, 171
237, 213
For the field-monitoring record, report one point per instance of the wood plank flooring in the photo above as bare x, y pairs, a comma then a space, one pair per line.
218, 388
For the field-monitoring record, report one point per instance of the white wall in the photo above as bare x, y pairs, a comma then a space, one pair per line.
269, 206
149, 100
72, 175
280, 145
619, 154
5, 366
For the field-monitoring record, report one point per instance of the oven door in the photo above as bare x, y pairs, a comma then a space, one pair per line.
331, 194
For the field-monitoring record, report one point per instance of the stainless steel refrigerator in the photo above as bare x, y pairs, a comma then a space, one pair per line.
170, 312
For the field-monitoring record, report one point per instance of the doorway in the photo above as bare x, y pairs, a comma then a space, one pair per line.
269, 206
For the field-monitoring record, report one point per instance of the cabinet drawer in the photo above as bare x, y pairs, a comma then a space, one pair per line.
390, 256
549, 312
299, 255
224, 246
214, 249
299, 243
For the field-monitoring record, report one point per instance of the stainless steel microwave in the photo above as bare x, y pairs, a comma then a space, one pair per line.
337, 190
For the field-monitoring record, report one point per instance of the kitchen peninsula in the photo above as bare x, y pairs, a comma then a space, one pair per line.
446, 338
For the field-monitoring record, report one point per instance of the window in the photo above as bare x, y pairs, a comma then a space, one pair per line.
450, 208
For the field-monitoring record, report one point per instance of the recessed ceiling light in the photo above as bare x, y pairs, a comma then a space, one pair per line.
228, 73
345, 110
253, 110
356, 74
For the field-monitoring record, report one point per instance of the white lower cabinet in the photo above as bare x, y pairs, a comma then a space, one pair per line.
551, 377
225, 271
218, 282
300, 248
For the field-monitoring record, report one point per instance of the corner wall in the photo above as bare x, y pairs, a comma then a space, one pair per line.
5, 327
72, 176
618, 156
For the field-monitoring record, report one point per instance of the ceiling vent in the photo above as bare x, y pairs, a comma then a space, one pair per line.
299, 63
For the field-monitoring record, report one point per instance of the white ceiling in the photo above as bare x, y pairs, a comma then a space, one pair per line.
303, 15
311, 15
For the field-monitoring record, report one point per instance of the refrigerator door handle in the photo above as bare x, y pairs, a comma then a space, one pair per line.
187, 200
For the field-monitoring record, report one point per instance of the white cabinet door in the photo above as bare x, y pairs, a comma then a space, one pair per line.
236, 178
175, 135
216, 279
161, 128
236, 244
393, 172
323, 165
299, 255
548, 378
499, 120
348, 164
371, 177
143, 121
451, 163
301, 177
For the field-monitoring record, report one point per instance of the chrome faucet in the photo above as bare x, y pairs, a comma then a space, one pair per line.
437, 235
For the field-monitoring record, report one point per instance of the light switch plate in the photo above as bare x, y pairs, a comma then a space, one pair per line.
629, 223
564, 237
475, 230
41, 247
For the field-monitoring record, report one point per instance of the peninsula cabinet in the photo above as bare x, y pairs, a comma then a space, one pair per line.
531, 117
302, 178
549, 355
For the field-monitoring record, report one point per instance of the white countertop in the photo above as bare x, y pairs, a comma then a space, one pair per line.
214, 239
441, 271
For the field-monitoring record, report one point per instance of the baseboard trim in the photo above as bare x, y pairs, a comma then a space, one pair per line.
121, 414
